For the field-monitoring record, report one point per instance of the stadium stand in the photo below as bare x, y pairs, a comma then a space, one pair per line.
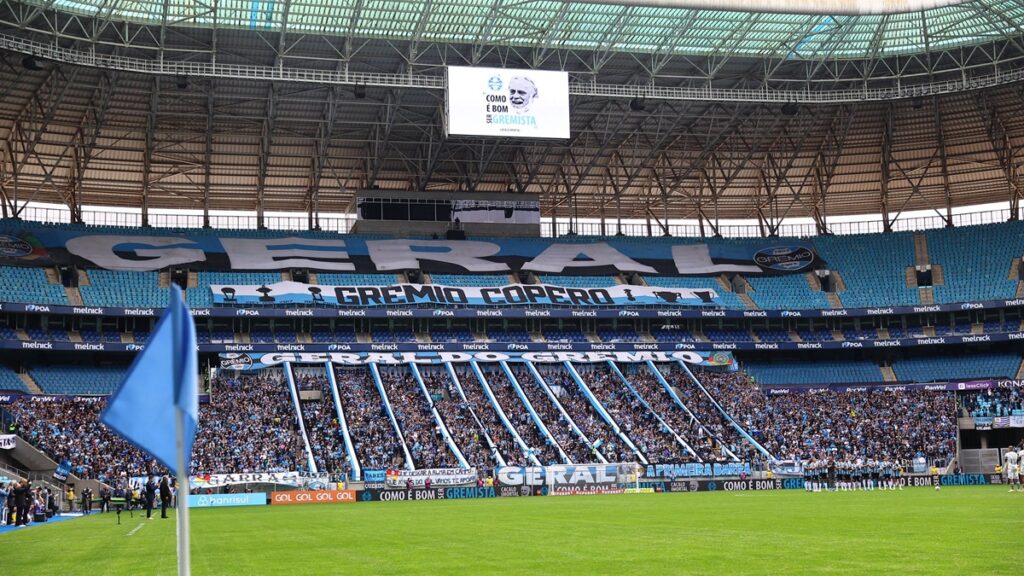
336, 279
785, 292
118, 288
578, 281
471, 279
29, 285
420, 430
956, 366
872, 267
725, 298
813, 371
971, 273
9, 380
85, 380
376, 444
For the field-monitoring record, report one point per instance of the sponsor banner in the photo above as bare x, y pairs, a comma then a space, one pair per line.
585, 490
1010, 383
643, 490
506, 102
469, 492
566, 475
697, 347
966, 386
661, 312
221, 500
8, 441
696, 469
63, 471
516, 491
397, 478
261, 361
402, 495
10, 396
151, 250
313, 497
440, 295
214, 481
989, 422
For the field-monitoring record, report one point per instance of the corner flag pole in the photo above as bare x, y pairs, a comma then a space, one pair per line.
184, 557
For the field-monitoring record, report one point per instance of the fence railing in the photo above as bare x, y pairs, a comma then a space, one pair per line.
343, 224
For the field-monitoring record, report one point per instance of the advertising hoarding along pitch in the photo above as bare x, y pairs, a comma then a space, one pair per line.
507, 103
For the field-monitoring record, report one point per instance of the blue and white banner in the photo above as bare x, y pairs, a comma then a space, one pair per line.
8, 441
567, 475
437, 294
221, 500
28, 244
250, 361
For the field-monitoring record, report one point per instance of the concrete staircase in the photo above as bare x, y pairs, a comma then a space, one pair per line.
303, 338
83, 278
1020, 370
833, 300
363, 337
30, 382
51, 275
795, 336
423, 337
888, 375
938, 276
313, 278
926, 294
910, 276
920, 249
163, 279
74, 336
838, 336
74, 296
883, 333
977, 328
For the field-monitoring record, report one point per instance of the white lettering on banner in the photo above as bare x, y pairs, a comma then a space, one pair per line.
696, 259
291, 252
162, 251
557, 257
8, 441
467, 254
409, 294
438, 477
219, 480
562, 475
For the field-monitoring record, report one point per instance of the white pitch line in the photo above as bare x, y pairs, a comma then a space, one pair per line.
137, 528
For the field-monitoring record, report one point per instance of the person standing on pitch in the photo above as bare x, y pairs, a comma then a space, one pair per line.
165, 496
150, 496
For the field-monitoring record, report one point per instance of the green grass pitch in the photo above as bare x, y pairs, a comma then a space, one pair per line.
960, 530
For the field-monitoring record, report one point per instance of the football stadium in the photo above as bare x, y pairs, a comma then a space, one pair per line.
511, 286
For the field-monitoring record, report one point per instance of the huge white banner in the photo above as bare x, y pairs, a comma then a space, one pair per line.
438, 477
504, 102
8, 441
221, 480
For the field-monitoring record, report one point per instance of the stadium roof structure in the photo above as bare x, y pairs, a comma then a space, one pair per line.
678, 111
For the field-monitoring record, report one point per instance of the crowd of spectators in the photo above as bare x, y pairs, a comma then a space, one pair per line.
879, 424
574, 447
994, 402
419, 427
326, 439
376, 444
464, 426
249, 425
70, 430
578, 407
683, 423
719, 432
482, 407
520, 418
634, 419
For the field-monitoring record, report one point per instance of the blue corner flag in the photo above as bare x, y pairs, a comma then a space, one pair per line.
161, 380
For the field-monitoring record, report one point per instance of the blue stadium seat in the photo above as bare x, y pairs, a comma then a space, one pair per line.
78, 379
338, 279
785, 292
873, 267
29, 285
9, 380
954, 366
976, 260
116, 288
578, 281
471, 279
814, 372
